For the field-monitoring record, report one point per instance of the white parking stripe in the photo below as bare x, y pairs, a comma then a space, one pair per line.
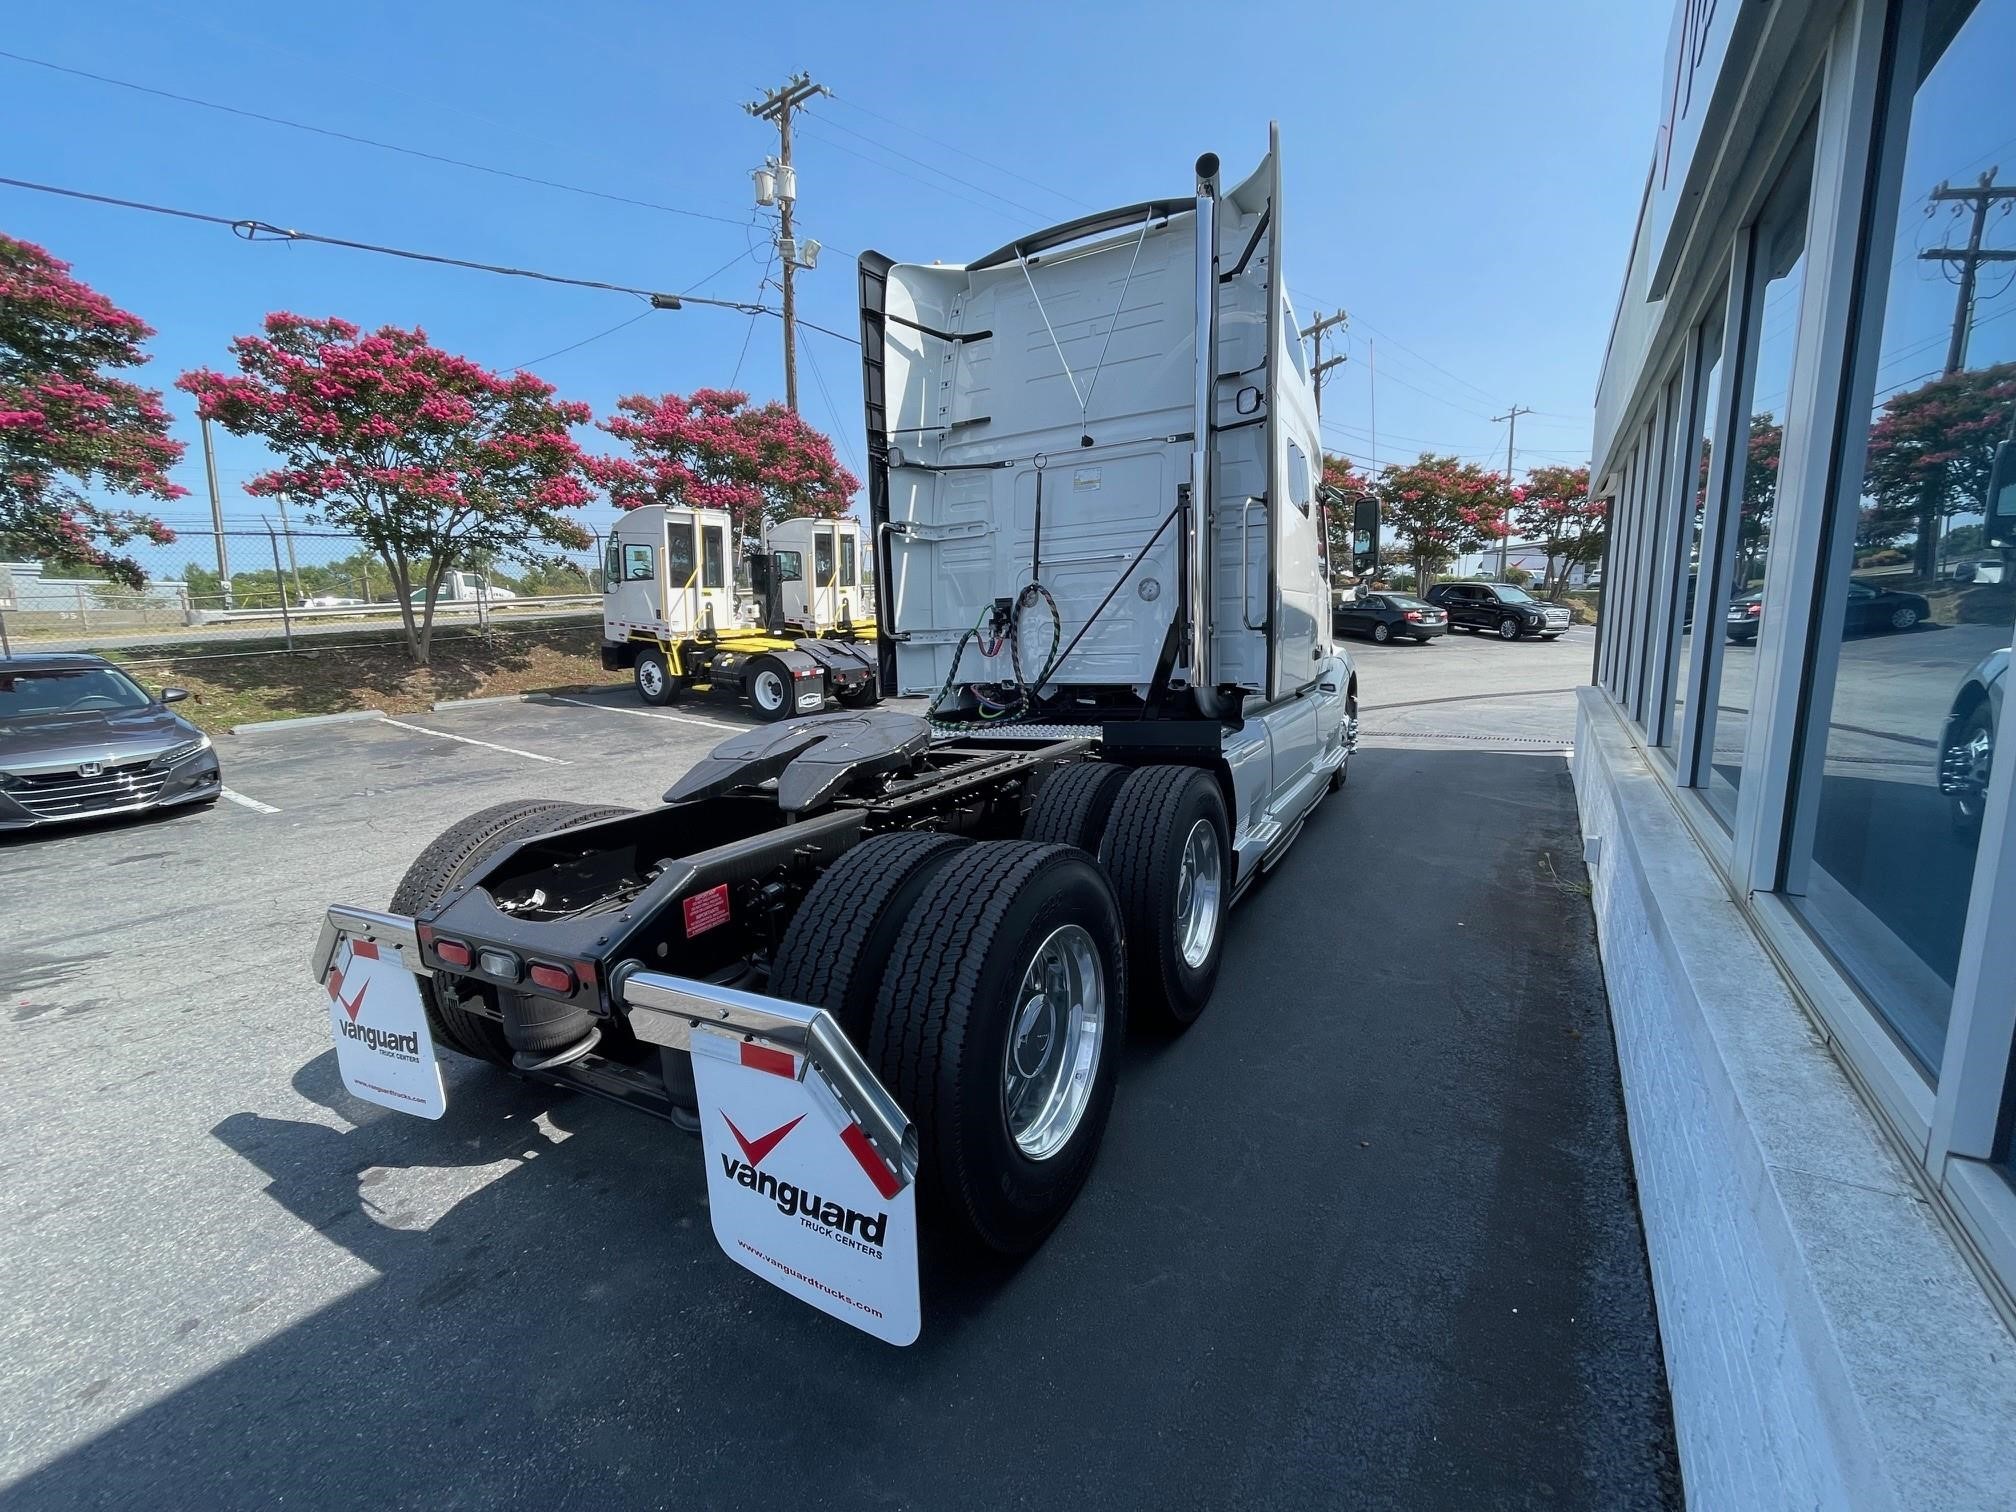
487, 745
252, 803
712, 724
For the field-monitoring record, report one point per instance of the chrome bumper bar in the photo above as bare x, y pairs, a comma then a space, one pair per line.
664, 1010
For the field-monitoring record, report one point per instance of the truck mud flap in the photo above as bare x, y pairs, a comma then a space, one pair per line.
811, 1164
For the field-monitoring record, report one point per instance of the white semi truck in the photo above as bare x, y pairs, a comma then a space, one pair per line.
883, 962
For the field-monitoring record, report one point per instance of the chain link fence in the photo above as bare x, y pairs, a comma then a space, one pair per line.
259, 583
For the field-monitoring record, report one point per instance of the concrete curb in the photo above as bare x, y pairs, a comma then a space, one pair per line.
348, 716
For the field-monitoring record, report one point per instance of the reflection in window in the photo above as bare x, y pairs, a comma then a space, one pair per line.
822, 558
637, 563
847, 564
1709, 334
1778, 278
1298, 477
1922, 654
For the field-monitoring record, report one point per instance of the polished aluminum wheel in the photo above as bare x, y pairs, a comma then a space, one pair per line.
1199, 888
1054, 1042
768, 691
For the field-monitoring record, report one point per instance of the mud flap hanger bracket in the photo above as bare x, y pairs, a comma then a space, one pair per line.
664, 1010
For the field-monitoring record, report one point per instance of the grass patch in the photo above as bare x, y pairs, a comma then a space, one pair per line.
335, 673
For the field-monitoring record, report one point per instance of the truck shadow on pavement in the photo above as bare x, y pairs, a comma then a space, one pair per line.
1364, 1236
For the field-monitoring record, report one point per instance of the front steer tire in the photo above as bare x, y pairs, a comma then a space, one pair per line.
1153, 820
947, 1020
837, 946
459, 850
653, 676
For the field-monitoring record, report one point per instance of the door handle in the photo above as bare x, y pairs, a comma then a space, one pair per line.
1246, 566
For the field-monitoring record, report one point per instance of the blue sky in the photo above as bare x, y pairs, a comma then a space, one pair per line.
1462, 176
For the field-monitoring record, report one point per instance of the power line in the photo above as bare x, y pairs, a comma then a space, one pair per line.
621, 325
833, 411
964, 199
974, 156
372, 142
826, 120
262, 231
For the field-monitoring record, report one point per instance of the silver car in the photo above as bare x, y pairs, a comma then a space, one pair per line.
79, 739
1967, 743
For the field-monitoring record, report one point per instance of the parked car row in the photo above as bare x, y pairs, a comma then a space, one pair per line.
1501, 609
1869, 608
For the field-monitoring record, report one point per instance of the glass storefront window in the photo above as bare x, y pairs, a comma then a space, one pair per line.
1922, 657
1702, 424
1778, 279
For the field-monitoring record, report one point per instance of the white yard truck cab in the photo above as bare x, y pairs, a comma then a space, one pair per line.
830, 594
883, 962
668, 572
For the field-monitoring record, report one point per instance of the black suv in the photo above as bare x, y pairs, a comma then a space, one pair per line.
1507, 612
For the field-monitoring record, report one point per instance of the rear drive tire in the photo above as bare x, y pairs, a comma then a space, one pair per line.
770, 688
866, 696
1168, 849
998, 1028
1072, 804
455, 853
653, 676
839, 942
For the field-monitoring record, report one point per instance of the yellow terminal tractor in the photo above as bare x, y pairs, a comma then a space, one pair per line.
668, 613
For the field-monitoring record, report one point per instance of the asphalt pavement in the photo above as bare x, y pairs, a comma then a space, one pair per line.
1364, 1237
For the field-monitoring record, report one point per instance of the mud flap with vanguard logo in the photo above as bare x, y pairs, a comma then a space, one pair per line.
797, 1192
383, 1047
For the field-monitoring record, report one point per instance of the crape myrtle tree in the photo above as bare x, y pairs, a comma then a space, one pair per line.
67, 424
1930, 450
1556, 513
711, 450
431, 460
1442, 507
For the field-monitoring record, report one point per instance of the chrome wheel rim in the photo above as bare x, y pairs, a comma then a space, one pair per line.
768, 690
1199, 887
1051, 1060
651, 678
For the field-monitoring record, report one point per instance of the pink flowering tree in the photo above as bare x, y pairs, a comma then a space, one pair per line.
1441, 508
67, 424
1556, 513
432, 460
711, 450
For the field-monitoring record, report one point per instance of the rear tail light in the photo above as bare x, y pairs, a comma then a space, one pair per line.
549, 978
1754, 610
454, 953
1415, 615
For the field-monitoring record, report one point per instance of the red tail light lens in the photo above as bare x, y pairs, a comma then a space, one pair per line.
1415, 615
1754, 610
453, 952
547, 978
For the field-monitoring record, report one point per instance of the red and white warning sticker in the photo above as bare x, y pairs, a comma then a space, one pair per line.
799, 1194
383, 1048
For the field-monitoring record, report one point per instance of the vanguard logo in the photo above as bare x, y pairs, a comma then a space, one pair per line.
378, 1039
795, 1201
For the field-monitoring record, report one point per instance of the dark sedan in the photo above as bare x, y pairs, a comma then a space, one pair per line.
1870, 608
80, 739
1386, 615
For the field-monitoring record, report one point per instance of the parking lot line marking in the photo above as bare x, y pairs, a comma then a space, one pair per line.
252, 803
487, 745
712, 724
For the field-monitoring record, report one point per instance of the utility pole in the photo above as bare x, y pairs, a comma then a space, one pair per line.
1314, 331
778, 105
217, 515
1512, 430
1981, 198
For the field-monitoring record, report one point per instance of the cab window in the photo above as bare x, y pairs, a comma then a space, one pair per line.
1298, 477
679, 554
847, 564
790, 566
714, 557
822, 557
637, 564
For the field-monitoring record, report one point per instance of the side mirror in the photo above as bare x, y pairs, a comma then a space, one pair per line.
1999, 508
1365, 535
173, 695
